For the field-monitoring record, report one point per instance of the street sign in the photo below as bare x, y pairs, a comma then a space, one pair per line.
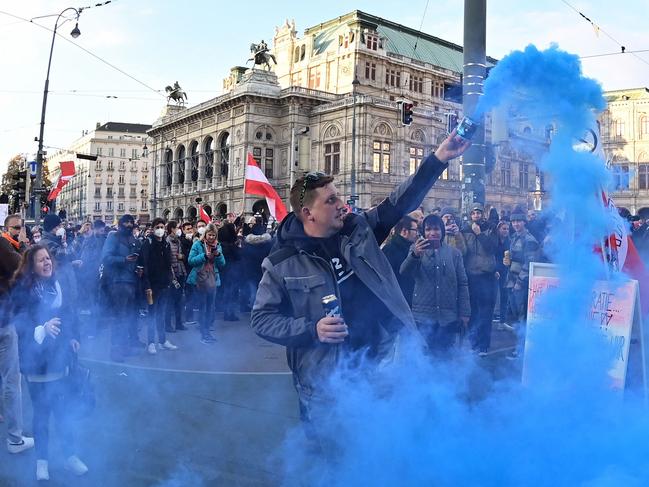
32, 168
39, 190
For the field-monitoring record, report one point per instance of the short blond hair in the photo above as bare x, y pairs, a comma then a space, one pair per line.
210, 227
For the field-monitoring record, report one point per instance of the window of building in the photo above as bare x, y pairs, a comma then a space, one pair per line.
266, 161
621, 176
111, 152
122, 165
416, 84
109, 192
643, 176
370, 71
372, 42
120, 206
97, 191
97, 165
332, 158
618, 128
99, 151
224, 155
168, 165
506, 173
120, 180
110, 137
120, 193
523, 176
416, 156
381, 157
109, 206
110, 165
110, 179
134, 154
302, 52
133, 166
437, 89
97, 206
132, 193
393, 78
145, 179
122, 153
314, 78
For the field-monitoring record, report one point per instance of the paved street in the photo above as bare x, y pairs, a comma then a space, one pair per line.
204, 415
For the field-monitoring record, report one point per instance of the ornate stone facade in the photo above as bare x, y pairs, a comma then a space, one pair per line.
200, 152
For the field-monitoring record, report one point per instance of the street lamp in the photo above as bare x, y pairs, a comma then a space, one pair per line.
39, 155
352, 176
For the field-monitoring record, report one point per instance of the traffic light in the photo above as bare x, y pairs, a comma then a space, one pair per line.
406, 112
20, 185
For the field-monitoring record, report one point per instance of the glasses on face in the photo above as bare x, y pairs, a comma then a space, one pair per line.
310, 177
17, 227
412, 229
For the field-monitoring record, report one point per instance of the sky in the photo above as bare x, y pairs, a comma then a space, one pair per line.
197, 42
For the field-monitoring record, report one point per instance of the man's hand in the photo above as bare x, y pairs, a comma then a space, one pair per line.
420, 246
476, 228
331, 329
497, 276
452, 229
77, 263
75, 345
22, 236
452, 147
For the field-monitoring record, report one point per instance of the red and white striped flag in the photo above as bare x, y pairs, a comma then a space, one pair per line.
203, 215
67, 173
257, 184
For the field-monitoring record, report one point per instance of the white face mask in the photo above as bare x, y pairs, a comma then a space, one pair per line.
178, 232
136, 234
189, 236
60, 232
37, 239
159, 232
201, 230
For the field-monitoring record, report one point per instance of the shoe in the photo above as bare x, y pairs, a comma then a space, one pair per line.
506, 327
151, 349
76, 466
167, 345
513, 355
208, 339
42, 470
482, 352
181, 327
25, 444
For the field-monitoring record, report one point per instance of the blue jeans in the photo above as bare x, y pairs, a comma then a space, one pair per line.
206, 303
482, 293
156, 318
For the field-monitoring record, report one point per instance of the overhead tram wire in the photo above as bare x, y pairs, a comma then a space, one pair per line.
599, 29
158, 92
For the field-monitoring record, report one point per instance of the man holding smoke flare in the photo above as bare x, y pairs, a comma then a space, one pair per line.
324, 255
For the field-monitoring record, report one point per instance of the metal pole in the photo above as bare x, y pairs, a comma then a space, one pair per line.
292, 158
473, 160
352, 176
39, 155
154, 208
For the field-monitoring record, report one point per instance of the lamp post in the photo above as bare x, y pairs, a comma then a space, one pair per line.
39, 155
352, 176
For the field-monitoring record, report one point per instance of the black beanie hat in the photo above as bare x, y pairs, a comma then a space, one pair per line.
50, 222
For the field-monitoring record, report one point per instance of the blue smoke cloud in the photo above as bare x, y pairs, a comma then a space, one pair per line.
451, 423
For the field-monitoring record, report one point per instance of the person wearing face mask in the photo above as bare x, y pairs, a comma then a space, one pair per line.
205, 259
48, 340
186, 242
200, 229
119, 258
440, 301
36, 234
91, 247
157, 278
176, 292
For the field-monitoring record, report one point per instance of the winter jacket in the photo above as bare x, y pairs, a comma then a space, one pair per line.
480, 250
155, 258
116, 268
9, 263
62, 255
90, 255
523, 250
501, 268
441, 292
198, 258
35, 305
396, 251
256, 248
186, 247
288, 303
177, 266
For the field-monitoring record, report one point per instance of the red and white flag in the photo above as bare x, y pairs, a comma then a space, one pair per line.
257, 184
67, 173
203, 215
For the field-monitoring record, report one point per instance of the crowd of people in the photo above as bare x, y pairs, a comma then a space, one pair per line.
458, 274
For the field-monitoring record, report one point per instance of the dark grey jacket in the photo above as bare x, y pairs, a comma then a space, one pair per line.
480, 255
288, 303
523, 249
441, 286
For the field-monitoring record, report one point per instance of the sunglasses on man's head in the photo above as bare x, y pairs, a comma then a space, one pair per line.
310, 177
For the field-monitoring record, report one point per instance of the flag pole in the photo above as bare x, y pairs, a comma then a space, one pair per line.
245, 170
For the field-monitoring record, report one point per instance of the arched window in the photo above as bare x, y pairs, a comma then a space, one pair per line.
208, 149
263, 151
180, 163
193, 159
224, 156
168, 165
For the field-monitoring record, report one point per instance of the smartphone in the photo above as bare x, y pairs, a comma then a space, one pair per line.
466, 128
